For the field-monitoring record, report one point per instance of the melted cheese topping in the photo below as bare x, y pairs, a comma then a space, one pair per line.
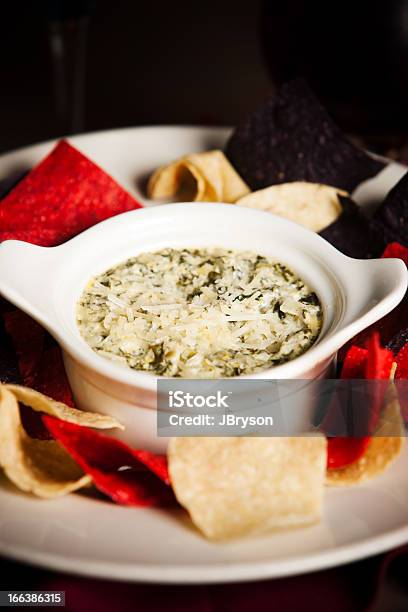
201, 313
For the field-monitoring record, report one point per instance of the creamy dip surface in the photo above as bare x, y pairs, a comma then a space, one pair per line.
199, 313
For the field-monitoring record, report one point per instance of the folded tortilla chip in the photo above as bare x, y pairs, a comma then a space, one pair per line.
232, 486
383, 449
202, 177
312, 205
41, 403
41, 467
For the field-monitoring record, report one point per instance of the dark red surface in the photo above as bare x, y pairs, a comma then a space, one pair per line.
358, 587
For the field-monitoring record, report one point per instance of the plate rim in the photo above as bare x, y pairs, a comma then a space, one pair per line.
216, 573
126, 128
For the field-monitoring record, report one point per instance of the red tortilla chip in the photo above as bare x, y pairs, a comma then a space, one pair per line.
379, 360
63, 195
41, 368
40, 236
402, 363
27, 337
394, 249
373, 362
129, 477
51, 378
345, 451
402, 374
354, 363
378, 367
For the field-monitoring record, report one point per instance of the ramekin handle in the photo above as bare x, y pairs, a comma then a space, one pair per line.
27, 274
374, 287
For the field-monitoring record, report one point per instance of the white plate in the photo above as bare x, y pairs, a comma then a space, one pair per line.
93, 537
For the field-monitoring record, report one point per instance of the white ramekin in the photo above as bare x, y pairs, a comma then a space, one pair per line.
47, 282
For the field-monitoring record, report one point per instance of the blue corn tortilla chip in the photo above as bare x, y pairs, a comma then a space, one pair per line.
392, 215
292, 138
353, 233
398, 341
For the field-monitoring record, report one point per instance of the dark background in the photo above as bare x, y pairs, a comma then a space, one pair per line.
141, 62
145, 62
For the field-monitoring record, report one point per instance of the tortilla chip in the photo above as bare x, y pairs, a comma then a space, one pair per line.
394, 249
40, 467
292, 138
232, 486
128, 476
63, 195
402, 363
393, 213
28, 341
39, 357
76, 455
354, 234
383, 449
41, 403
312, 205
202, 177
373, 362
355, 362
398, 341
39, 236
51, 378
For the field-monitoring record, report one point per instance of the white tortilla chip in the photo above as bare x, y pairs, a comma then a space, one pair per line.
42, 403
41, 467
312, 205
202, 177
232, 486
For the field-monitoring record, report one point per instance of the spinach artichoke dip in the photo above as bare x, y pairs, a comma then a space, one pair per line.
199, 313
